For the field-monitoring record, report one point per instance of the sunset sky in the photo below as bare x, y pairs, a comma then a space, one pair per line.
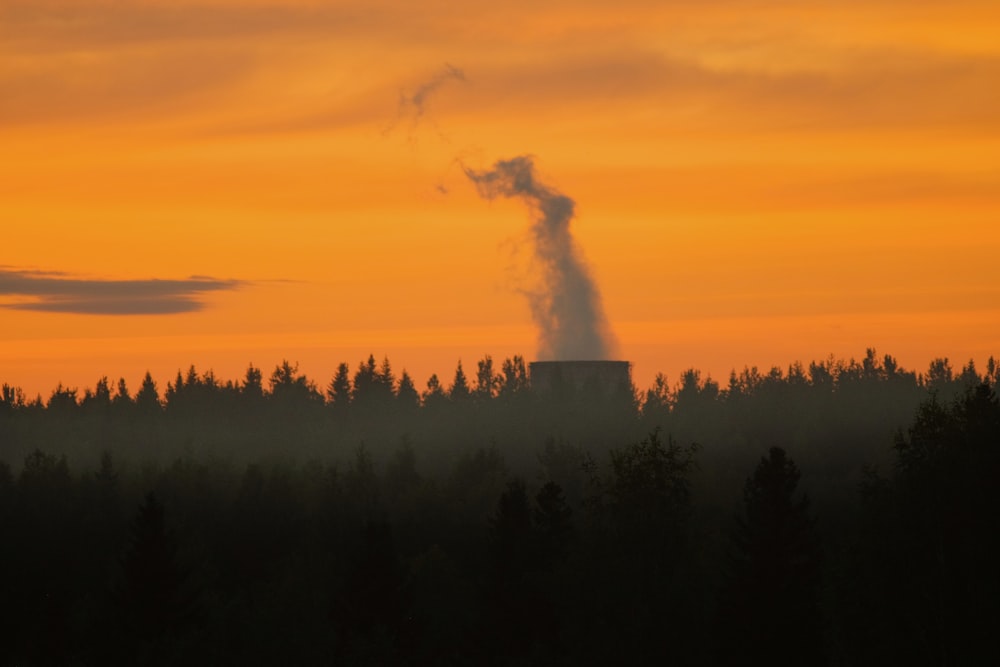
224, 182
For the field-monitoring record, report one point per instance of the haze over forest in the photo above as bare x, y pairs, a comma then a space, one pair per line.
483, 521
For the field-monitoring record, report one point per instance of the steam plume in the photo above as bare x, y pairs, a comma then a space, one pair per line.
417, 99
568, 310
413, 106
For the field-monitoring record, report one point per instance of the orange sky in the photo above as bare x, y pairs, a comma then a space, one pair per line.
753, 186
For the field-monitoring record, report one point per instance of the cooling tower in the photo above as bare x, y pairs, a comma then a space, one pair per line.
598, 378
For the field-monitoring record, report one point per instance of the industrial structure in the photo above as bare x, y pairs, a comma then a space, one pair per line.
593, 378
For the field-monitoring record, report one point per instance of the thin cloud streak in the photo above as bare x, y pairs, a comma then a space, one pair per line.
905, 91
54, 292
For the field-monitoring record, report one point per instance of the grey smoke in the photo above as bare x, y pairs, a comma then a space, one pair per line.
419, 97
568, 309
414, 105
55, 292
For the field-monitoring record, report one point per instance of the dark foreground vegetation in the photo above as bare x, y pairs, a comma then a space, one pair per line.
840, 513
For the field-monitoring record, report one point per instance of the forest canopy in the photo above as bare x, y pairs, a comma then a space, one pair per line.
840, 511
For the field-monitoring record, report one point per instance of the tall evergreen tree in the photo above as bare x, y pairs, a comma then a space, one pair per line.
434, 394
769, 609
407, 394
252, 387
338, 393
514, 377
154, 599
460, 385
148, 397
487, 381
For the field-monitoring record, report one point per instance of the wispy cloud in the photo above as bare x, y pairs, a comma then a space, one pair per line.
413, 105
57, 292
910, 89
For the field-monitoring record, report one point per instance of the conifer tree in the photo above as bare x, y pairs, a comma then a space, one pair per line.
769, 611
460, 385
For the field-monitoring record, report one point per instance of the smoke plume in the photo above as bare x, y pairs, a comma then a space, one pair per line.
568, 309
413, 105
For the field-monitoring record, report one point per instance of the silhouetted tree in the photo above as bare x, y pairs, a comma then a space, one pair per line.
62, 400
525, 543
338, 393
122, 397
252, 387
155, 602
11, 398
514, 380
100, 398
513, 556
638, 516
147, 398
658, 398
407, 395
366, 379
939, 375
460, 385
649, 491
434, 394
385, 382
487, 381
969, 376
290, 389
769, 611
929, 588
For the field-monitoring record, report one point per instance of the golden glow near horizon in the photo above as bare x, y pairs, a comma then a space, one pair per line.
753, 186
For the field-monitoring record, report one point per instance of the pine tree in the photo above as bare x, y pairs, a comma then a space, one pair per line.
148, 397
338, 393
769, 611
154, 600
407, 394
460, 386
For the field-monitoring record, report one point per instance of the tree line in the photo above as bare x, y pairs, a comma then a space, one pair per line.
843, 512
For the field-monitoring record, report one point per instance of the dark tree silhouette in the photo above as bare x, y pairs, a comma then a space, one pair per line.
460, 385
147, 399
122, 397
366, 379
406, 394
487, 381
433, 395
155, 601
62, 400
385, 383
100, 398
290, 389
928, 590
338, 393
252, 387
510, 594
514, 379
769, 610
